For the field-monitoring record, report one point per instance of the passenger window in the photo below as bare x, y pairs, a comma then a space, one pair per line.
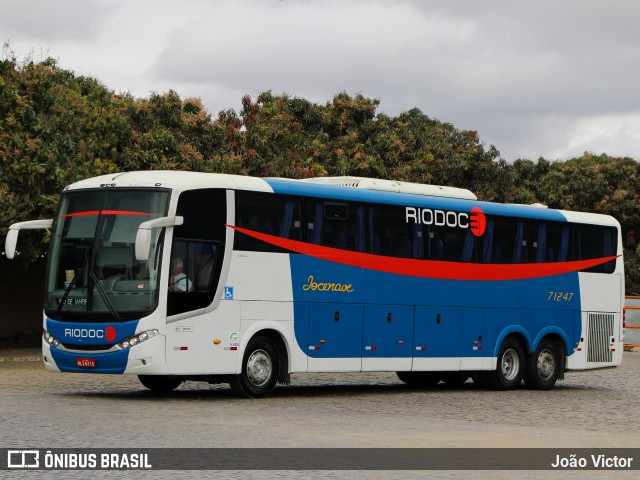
551, 242
266, 213
335, 225
505, 241
450, 244
392, 235
597, 242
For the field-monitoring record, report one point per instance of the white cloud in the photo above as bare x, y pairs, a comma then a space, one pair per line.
51, 21
533, 78
619, 134
317, 45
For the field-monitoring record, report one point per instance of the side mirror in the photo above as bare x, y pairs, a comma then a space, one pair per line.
12, 235
143, 236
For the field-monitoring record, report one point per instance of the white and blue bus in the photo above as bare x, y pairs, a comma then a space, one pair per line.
179, 276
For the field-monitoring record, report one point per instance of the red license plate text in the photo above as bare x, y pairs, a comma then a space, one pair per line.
86, 362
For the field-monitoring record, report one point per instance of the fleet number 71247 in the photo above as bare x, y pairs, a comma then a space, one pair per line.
560, 297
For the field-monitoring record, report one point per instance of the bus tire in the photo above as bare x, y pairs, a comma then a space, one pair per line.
160, 383
510, 368
260, 370
419, 379
543, 366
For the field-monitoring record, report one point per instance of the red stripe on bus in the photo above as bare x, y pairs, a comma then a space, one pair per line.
428, 268
107, 212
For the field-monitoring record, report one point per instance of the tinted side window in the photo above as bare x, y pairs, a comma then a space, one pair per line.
597, 242
391, 235
266, 213
335, 224
451, 244
505, 241
552, 242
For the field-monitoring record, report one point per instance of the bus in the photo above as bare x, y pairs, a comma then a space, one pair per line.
182, 276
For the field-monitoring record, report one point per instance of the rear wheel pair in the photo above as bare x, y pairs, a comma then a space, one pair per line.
539, 370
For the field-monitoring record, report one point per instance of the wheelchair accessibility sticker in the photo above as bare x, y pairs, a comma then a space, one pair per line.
228, 293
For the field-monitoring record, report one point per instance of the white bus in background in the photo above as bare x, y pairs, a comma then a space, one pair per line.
278, 276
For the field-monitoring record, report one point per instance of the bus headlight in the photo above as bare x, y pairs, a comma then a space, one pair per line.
50, 339
136, 339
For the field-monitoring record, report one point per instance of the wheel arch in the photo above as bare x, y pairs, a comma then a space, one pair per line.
278, 336
514, 331
555, 335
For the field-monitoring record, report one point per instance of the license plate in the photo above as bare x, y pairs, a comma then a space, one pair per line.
86, 362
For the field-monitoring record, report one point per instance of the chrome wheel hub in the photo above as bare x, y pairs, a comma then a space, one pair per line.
546, 364
510, 364
259, 368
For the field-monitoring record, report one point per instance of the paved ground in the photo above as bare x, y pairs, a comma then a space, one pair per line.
44, 410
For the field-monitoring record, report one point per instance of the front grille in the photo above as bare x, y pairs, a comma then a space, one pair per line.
86, 348
600, 331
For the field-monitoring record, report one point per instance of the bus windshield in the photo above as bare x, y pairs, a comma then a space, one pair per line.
93, 271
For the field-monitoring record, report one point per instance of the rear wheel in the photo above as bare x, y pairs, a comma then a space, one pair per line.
260, 368
160, 383
419, 379
510, 368
543, 366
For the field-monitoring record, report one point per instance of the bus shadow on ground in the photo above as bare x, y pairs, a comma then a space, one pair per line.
201, 391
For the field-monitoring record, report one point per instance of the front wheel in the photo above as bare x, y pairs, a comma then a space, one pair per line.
510, 368
160, 383
543, 366
260, 368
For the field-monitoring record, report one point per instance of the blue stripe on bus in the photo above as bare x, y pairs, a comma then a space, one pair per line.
292, 187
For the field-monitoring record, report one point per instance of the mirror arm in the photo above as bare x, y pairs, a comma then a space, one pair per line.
143, 236
12, 235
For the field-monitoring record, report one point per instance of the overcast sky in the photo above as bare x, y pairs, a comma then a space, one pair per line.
552, 78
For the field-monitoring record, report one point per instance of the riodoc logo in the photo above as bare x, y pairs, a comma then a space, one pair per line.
108, 334
476, 220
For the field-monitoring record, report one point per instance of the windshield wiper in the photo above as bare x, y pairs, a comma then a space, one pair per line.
67, 291
104, 296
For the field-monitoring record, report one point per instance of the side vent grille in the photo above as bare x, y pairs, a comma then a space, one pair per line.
600, 332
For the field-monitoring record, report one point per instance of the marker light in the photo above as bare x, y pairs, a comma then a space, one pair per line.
136, 339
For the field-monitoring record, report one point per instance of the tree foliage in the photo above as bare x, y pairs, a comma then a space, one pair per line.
56, 128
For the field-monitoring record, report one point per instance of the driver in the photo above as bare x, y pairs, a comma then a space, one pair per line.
178, 281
